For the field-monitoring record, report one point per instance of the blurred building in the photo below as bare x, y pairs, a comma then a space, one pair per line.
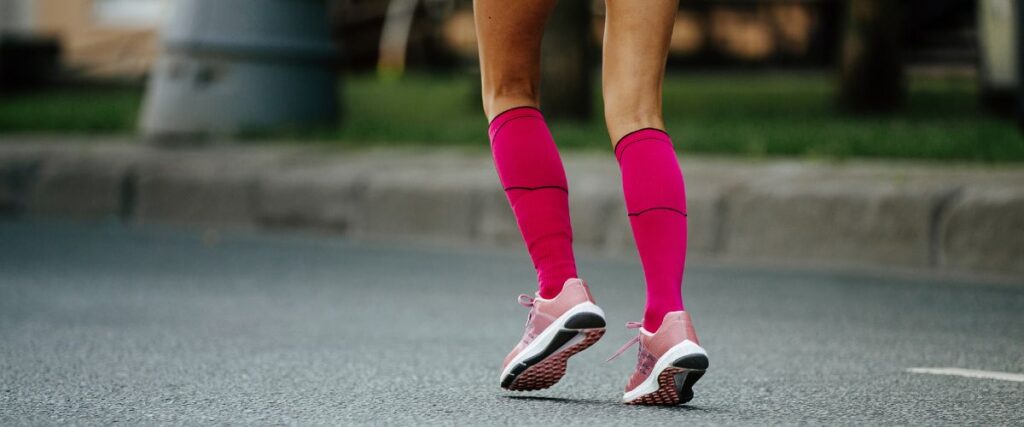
771, 33
104, 37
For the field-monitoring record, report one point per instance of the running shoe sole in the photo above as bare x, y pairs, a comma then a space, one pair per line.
674, 382
543, 362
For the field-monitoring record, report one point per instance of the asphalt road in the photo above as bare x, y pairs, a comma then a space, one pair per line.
103, 324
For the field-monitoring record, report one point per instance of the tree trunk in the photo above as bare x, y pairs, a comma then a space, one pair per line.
566, 62
1019, 33
871, 71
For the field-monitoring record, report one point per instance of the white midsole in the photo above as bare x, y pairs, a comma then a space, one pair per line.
650, 385
541, 342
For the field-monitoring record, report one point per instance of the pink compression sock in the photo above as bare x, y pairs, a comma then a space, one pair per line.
656, 202
531, 173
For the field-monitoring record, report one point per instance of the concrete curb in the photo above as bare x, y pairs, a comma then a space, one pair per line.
955, 218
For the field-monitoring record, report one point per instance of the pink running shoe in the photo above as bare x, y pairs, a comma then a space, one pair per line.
556, 329
670, 361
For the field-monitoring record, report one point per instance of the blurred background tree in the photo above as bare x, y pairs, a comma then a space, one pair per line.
567, 62
871, 69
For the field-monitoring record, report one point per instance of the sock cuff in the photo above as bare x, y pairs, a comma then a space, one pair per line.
638, 136
512, 114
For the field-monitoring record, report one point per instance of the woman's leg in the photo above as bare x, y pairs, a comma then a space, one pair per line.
509, 35
637, 35
670, 359
531, 172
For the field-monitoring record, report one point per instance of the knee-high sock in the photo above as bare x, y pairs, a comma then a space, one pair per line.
656, 203
531, 172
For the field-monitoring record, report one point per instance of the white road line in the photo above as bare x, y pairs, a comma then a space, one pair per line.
970, 373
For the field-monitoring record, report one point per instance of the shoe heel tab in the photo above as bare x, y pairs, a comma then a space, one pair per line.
676, 316
680, 321
575, 289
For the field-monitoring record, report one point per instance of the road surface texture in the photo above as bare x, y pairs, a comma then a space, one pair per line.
101, 324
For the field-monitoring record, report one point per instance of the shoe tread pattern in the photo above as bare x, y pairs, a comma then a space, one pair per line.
549, 371
669, 392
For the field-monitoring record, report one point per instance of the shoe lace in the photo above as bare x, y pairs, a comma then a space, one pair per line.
525, 300
634, 340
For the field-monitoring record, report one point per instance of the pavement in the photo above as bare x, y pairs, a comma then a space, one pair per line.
960, 219
104, 323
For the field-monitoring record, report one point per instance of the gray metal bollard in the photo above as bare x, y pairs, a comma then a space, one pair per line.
232, 66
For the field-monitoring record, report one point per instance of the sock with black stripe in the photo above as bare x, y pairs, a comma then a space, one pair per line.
533, 177
655, 194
